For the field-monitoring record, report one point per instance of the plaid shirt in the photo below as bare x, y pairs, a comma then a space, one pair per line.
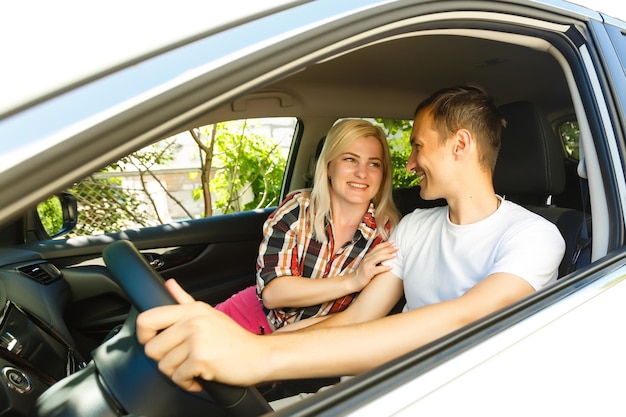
288, 249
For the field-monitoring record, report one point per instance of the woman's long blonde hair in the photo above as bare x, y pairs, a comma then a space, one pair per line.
338, 138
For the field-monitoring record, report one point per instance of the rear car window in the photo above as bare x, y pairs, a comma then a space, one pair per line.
570, 134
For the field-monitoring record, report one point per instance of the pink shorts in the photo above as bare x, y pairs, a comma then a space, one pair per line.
246, 309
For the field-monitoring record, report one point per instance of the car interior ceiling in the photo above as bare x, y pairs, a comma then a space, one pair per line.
358, 83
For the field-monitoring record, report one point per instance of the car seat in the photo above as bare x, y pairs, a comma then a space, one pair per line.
530, 170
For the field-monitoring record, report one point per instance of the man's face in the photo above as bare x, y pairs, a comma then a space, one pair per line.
429, 158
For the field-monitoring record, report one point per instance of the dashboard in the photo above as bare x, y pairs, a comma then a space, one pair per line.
36, 349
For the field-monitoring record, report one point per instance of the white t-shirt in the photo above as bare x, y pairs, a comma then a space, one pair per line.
439, 260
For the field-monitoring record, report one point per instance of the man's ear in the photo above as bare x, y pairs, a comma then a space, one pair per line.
463, 142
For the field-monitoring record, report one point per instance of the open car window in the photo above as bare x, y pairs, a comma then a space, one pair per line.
215, 169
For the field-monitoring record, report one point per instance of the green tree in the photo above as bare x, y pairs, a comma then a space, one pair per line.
205, 138
248, 168
398, 134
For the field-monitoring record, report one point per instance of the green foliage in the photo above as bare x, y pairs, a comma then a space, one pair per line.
570, 134
398, 136
248, 167
51, 215
197, 193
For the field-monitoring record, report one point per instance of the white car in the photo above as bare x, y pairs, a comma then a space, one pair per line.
74, 108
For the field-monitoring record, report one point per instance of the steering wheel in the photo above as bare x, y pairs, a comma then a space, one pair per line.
129, 382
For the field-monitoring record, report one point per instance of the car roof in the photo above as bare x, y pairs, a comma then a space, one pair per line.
615, 9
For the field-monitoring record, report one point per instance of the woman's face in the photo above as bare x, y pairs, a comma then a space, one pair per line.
357, 173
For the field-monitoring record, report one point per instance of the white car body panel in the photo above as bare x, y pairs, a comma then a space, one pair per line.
533, 363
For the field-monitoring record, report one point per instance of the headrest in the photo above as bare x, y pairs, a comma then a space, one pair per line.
408, 199
320, 145
531, 161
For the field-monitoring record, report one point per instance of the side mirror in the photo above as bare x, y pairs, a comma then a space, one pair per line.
57, 215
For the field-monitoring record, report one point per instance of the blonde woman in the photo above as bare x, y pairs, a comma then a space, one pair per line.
322, 246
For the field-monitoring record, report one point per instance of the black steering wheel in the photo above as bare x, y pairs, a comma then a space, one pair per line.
122, 379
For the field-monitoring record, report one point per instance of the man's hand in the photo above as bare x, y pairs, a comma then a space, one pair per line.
192, 340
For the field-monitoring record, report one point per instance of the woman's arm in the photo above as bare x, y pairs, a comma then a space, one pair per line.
375, 301
295, 291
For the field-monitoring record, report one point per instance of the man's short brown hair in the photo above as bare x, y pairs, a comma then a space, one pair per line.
467, 107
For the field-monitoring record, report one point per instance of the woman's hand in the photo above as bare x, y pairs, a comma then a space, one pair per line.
371, 265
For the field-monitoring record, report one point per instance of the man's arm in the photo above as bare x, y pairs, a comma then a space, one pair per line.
193, 340
361, 347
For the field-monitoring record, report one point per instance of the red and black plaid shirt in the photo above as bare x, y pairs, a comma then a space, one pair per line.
288, 249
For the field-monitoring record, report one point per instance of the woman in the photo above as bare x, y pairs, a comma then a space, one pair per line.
323, 245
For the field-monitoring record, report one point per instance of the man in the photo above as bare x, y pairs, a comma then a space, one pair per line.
455, 264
